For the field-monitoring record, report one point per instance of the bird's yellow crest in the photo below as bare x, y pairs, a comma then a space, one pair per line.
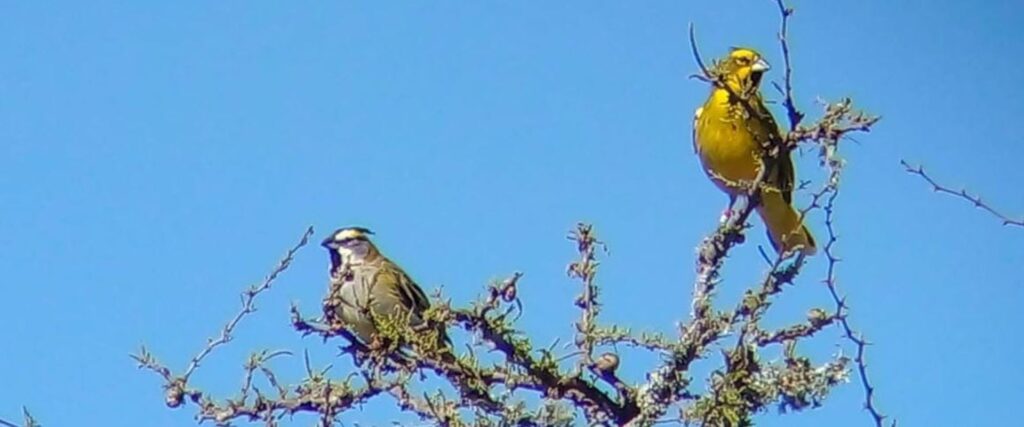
744, 54
742, 68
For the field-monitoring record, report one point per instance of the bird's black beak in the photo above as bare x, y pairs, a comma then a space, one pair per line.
328, 243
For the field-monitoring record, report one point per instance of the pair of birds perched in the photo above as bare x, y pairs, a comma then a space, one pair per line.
731, 131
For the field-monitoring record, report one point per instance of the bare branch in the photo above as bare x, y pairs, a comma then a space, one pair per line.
585, 270
248, 306
705, 74
793, 114
963, 194
176, 387
842, 309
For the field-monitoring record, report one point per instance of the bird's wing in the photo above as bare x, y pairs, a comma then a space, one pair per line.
403, 288
784, 175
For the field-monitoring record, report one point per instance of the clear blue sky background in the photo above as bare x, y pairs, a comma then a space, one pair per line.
157, 158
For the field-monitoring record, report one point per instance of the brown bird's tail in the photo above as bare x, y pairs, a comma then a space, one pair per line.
785, 230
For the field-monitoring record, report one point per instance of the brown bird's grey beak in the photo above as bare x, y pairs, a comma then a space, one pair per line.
760, 66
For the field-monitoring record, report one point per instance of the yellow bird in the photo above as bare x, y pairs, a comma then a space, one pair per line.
728, 136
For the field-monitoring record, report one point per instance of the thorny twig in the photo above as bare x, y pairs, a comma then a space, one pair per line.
585, 270
839, 120
588, 334
248, 306
842, 312
963, 194
257, 361
542, 374
792, 113
177, 386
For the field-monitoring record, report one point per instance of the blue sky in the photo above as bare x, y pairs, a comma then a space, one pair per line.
157, 158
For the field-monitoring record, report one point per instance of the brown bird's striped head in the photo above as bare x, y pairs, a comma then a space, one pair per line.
348, 244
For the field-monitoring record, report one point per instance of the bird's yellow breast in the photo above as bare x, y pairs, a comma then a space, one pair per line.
727, 141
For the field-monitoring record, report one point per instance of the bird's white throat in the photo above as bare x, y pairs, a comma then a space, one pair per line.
354, 254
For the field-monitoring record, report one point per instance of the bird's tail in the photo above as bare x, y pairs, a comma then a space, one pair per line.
785, 230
